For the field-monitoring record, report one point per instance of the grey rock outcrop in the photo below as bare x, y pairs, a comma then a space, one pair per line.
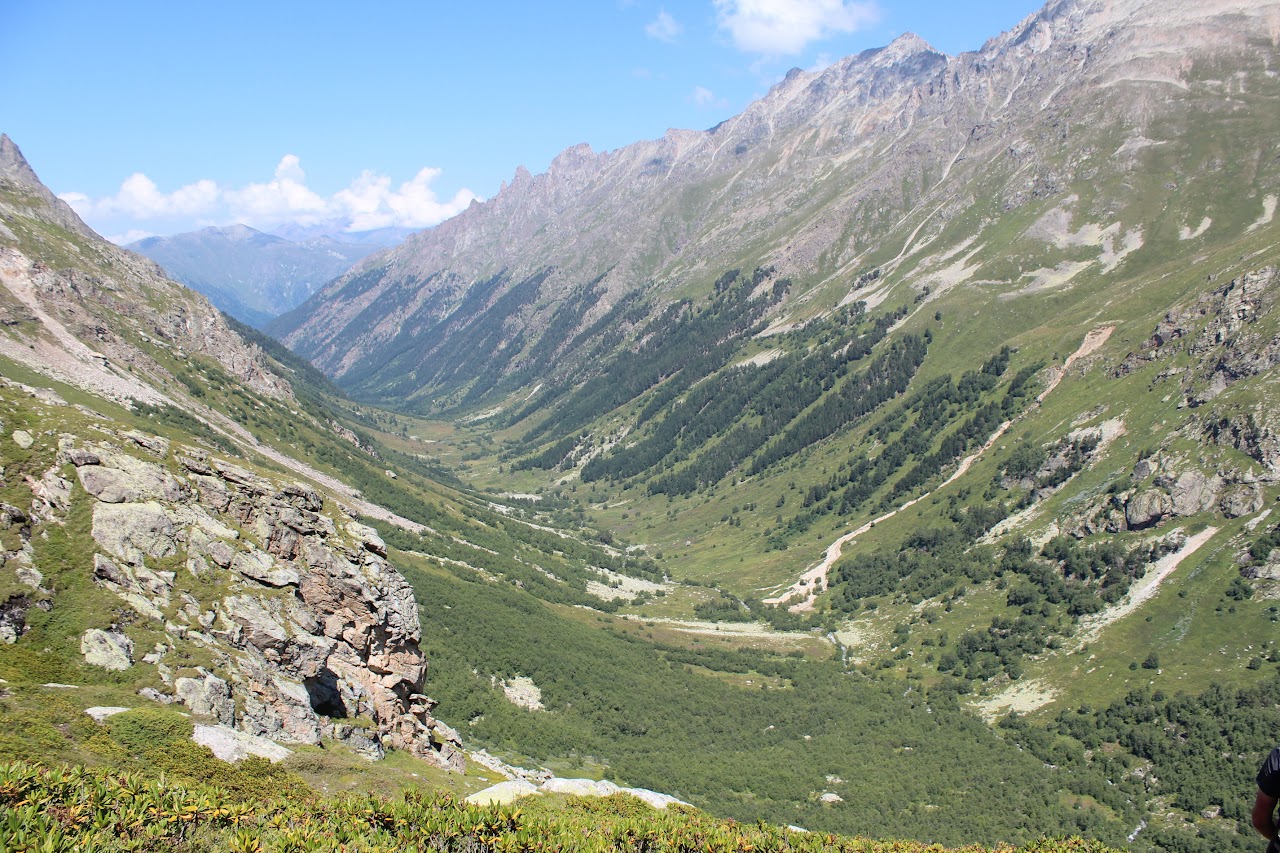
1242, 500
133, 531
1192, 492
13, 618
1147, 508
107, 649
1254, 433
313, 633
209, 696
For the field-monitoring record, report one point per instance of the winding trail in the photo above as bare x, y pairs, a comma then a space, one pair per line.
814, 580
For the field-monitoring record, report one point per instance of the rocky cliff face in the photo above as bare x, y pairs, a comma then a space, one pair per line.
254, 602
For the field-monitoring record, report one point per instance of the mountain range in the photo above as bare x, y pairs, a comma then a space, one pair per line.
897, 458
251, 275
1053, 144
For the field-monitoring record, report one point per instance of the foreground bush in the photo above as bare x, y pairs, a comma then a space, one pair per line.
94, 811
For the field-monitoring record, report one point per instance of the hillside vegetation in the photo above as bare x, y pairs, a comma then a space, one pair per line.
68, 810
903, 478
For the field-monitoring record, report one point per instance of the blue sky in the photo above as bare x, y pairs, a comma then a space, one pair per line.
163, 117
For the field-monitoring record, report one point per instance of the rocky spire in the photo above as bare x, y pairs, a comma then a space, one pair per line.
14, 168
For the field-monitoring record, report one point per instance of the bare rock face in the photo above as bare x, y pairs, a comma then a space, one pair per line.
1242, 500
209, 696
1192, 492
1255, 434
107, 649
315, 634
1147, 508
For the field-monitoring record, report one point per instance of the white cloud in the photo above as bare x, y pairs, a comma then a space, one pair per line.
284, 199
140, 198
785, 27
133, 235
140, 208
371, 203
664, 27
704, 98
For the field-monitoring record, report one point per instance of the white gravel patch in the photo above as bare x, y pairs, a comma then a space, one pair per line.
523, 692
1091, 627
1021, 697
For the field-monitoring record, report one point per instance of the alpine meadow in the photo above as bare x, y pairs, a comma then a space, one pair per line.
892, 466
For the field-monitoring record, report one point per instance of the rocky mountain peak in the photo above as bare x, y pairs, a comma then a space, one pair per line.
1148, 33
87, 283
905, 46
14, 168
16, 173
811, 177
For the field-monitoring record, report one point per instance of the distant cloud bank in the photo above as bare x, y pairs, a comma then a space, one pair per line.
140, 208
787, 27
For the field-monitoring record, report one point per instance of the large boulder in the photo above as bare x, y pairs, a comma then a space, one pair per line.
231, 745
132, 531
1147, 508
208, 696
580, 787
1194, 493
107, 649
503, 793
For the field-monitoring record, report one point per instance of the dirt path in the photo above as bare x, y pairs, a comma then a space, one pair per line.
1092, 342
814, 580
750, 630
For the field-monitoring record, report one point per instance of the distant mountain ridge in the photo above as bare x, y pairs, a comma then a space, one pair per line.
831, 174
340, 231
252, 275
